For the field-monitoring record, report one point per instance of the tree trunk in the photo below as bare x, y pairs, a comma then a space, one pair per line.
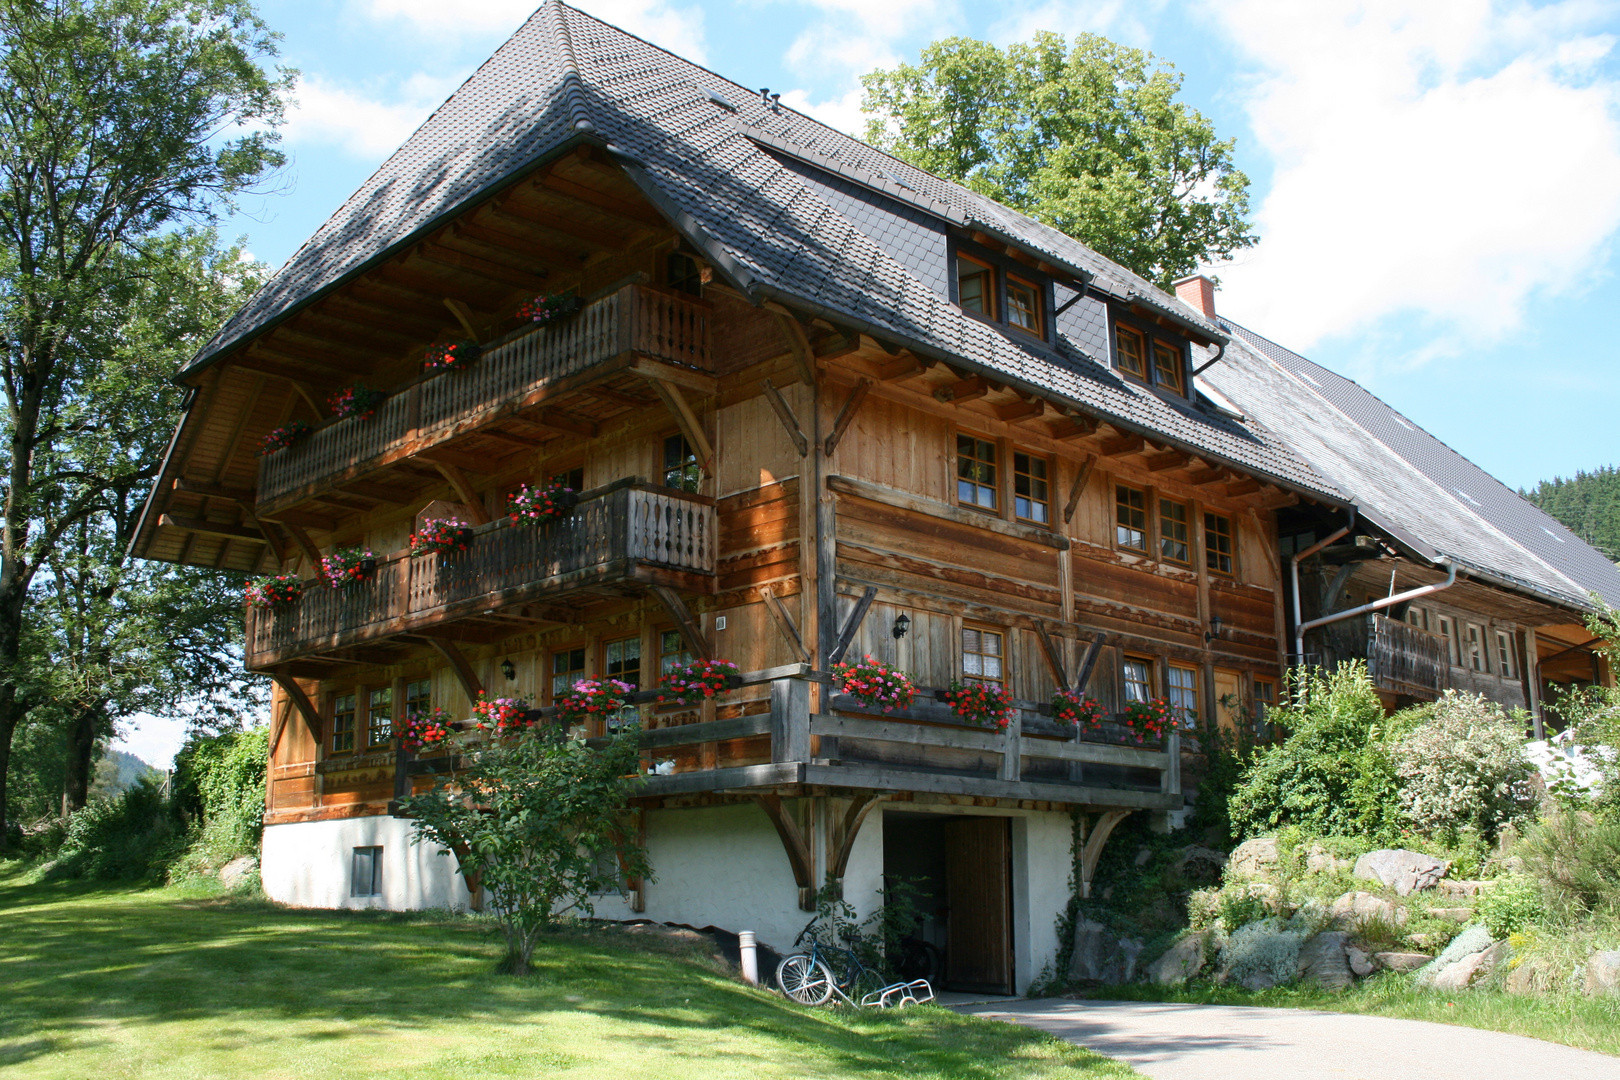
81, 758
8, 727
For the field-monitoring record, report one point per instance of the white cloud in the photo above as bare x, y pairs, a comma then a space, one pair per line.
678, 29
843, 113
1451, 160
1118, 19
368, 124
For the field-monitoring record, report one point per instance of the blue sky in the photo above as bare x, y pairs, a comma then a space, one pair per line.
1436, 183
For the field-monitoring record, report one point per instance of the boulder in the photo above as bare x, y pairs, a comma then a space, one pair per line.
1323, 960
1457, 915
1355, 909
1463, 954
1183, 961
1494, 959
1253, 858
237, 871
1459, 975
1404, 871
1401, 961
1200, 864
1361, 965
1603, 973
1318, 860
1102, 956
1459, 889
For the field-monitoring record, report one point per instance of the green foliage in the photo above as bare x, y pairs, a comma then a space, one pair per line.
218, 785
1511, 905
1227, 753
542, 822
1588, 503
1334, 775
1462, 767
878, 941
1237, 907
1577, 857
131, 837
1088, 138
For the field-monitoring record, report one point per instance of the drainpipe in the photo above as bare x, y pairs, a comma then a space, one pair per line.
1293, 570
1388, 601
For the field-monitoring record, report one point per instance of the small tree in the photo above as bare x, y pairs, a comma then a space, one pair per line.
1462, 767
541, 823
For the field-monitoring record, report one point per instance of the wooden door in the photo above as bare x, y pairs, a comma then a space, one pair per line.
978, 889
1228, 699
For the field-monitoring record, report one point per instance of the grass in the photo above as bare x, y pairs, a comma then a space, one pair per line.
115, 983
1574, 1020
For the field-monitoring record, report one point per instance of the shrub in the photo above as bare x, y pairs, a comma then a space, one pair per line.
133, 836
1333, 776
1511, 905
1462, 767
1577, 856
1238, 906
219, 786
1265, 952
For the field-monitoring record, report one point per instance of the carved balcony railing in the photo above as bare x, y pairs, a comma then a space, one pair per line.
628, 535
1405, 660
634, 321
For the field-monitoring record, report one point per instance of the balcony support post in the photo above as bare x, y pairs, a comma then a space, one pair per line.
684, 622
458, 662
301, 702
796, 846
1096, 836
690, 426
847, 635
463, 488
784, 623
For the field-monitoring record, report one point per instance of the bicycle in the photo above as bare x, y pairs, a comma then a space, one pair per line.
809, 977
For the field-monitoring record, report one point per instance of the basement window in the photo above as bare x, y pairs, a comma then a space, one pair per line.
365, 872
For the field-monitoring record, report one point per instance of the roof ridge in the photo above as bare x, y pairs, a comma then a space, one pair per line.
573, 85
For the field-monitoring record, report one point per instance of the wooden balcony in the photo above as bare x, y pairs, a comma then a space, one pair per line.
514, 378
619, 539
1402, 659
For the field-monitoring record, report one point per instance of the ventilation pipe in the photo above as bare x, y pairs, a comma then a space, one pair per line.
1293, 572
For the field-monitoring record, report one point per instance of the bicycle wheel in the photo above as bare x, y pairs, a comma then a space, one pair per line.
804, 979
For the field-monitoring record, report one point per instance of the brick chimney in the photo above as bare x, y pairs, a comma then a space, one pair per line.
1198, 293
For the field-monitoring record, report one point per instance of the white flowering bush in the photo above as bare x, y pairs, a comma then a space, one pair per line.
1462, 768
1262, 953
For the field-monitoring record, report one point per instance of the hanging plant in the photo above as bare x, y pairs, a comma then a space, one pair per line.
691, 683
986, 704
455, 354
424, 731
875, 684
1146, 719
355, 401
440, 535
591, 699
541, 504
349, 566
501, 715
1077, 710
282, 437
273, 592
550, 307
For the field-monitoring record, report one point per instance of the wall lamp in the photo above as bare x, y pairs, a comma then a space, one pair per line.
1214, 630
508, 670
901, 625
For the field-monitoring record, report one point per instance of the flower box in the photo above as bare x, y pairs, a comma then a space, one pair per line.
544, 504
349, 566
692, 683
1079, 711
501, 715
425, 731
592, 699
550, 308
1146, 720
875, 684
440, 535
355, 402
273, 592
453, 355
985, 704
282, 437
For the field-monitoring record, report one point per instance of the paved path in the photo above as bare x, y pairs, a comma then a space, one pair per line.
1225, 1042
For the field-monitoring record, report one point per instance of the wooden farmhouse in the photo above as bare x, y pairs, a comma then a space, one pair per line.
817, 405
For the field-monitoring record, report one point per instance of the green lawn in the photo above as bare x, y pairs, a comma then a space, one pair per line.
1589, 1023
106, 984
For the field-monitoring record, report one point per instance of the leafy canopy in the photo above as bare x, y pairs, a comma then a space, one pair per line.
1088, 138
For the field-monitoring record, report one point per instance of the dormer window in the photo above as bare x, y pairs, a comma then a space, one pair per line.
1168, 366
976, 287
1152, 357
1003, 291
1023, 306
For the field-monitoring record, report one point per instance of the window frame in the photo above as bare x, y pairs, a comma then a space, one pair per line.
1506, 654
1448, 630
1152, 338
1144, 343
1038, 306
685, 284
995, 482
1479, 656
1187, 716
1146, 549
371, 694
550, 686
962, 652
1047, 465
689, 461
1229, 553
353, 729
1188, 540
1150, 669
373, 856
987, 271
1001, 270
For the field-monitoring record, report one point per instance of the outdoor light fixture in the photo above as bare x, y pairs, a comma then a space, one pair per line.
1214, 630
901, 625
508, 670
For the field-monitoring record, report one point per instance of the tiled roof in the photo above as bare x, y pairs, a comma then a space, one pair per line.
761, 188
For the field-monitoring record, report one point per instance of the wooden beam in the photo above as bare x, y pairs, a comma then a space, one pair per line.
784, 624
1121, 445
212, 528
488, 269
859, 807
458, 662
463, 316
1170, 459
1021, 410
804, 360
974, 386
684, 622
501, 244
312, 554
846, 415
793, 842
838, 343
301, 702
1200, 477
464, 491
1101, 829
1084, 675
1078, 487
568, 422
1054, 659
852, 624
1073, 427
1246, 486
601, 202
907, 365
690, 426
784, 413
246, 496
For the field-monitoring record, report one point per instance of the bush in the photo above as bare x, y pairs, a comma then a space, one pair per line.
1333, 776
1511, 905
1462, 767
1262, 953
1577, 856
219, 787
133, 836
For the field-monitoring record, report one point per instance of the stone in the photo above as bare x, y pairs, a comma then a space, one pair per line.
1182, 961
1361, 965
1200, 864
1401, 961
1494, 959
236, 872
1102, 956
1603, 973
1463, 953
1356, 909
1525, 978
1253, 858
1453, 914
1322, 960
1457, 976
1404, 871
1318, 860
1459, 889
1143, 857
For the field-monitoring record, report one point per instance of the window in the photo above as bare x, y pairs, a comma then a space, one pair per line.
572, 479
1032, 494
1218, 543
1131, 347
975, 287
672, 650
1418, 617
1265, 697
1024, 306
1169, 367
683, 274
1130, 518
681, 468
1174, 539
419, 697
1504, 654
1182, 694
379, 716
344, 707
622, 661
976, 473
1477, 658
567, 668
1138, 673
983, 655
1448, 630
365, 872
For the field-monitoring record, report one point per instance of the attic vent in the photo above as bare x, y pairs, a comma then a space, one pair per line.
720, 100
1552, 534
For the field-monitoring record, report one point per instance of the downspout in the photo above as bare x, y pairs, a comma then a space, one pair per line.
1211, 362
1293, 571
1388, 601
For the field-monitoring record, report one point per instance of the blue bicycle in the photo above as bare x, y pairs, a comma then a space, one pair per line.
813, 977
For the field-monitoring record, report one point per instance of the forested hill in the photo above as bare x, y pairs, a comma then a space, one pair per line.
1588, 502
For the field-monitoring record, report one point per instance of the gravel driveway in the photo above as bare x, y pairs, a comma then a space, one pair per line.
1225, 1042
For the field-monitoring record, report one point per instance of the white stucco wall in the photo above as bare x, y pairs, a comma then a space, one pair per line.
307, 864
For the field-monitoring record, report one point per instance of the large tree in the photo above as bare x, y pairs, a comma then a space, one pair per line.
120, 120
1087, 137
